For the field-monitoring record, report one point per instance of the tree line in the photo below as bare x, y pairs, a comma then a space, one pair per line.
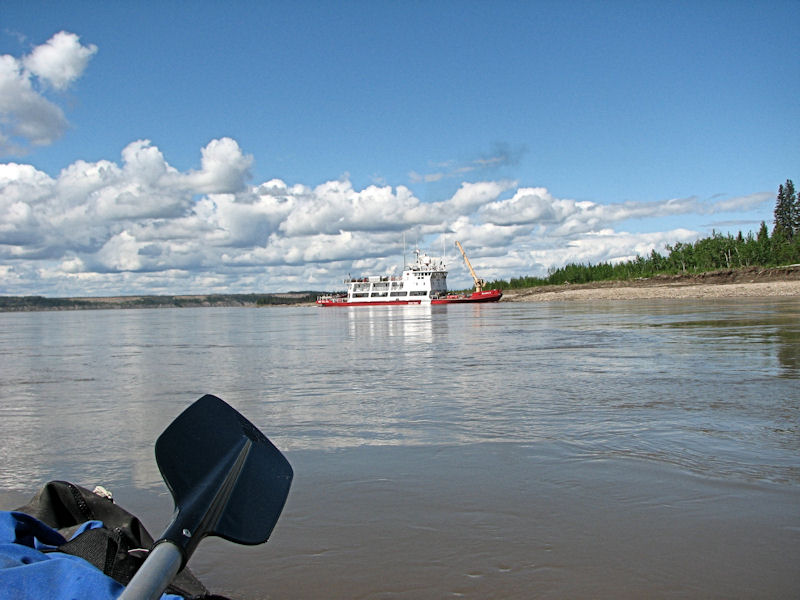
716, 252
25, 303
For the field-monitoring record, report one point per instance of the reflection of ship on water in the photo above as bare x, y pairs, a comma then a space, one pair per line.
413, 324
422, 282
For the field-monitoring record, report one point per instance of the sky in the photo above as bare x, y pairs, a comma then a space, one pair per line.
183, 147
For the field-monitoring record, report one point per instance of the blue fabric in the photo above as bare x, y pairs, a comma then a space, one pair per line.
27, 571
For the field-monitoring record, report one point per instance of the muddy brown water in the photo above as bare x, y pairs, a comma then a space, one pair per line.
566, 450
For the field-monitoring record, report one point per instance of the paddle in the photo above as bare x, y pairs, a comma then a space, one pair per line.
226, 479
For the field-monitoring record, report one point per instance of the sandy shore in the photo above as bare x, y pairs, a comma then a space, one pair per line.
783, 281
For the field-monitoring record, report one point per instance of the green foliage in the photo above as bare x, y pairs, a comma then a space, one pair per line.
708, 254
787, 212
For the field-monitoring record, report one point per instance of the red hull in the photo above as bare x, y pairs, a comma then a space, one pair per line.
487, 296
379, 303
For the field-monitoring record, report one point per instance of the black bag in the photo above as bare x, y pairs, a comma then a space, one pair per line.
118, 549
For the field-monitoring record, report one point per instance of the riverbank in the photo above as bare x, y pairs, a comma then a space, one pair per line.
751, 282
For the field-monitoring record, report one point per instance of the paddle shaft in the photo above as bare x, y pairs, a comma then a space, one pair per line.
153, 577
167, 556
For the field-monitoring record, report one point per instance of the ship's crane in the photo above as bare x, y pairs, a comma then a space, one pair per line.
479, 283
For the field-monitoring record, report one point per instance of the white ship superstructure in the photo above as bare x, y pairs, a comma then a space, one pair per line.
422, 282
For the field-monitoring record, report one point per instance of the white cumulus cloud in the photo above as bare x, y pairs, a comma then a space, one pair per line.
139, 225
61, 60
27, 116
224, 168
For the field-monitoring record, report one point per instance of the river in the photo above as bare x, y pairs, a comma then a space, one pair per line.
585, 449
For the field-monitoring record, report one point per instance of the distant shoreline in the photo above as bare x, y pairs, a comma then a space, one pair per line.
733, 283
38, 303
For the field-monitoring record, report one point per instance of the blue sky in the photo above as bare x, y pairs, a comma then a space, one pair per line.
182, 147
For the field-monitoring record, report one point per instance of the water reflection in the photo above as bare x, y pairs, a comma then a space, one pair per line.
757, 329
412, 323
789, 348
708, 386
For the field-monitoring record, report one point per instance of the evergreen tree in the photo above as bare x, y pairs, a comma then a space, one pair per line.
715, 252
786, 212
763, 245
793, 200
763, 233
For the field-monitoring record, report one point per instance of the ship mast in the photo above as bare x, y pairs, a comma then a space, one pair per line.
479, 283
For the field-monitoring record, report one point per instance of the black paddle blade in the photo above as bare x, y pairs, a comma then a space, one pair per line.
225, 476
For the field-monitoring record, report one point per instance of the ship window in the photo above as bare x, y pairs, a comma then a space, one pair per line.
361, 295
378, 294
397, 294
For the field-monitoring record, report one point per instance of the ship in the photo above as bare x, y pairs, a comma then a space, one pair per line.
422, 282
